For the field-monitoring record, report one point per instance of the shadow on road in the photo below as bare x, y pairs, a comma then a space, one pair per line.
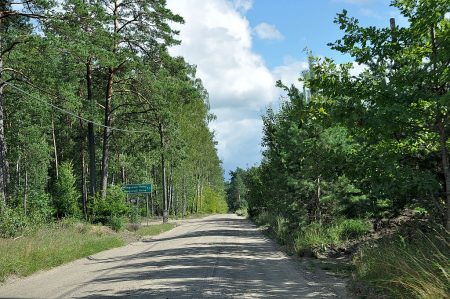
220, 258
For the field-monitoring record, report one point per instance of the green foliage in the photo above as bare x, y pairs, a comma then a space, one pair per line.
12, 222
115, 223
114, 205
407, 267
66, 196
134, 215
214, 201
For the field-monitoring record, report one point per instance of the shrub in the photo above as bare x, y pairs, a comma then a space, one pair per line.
12, 222
102, 210
115, 223
40, 209
66, 196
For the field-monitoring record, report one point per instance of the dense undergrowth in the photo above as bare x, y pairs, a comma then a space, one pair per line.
315, 237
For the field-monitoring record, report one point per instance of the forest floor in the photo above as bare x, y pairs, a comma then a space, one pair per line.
220, 256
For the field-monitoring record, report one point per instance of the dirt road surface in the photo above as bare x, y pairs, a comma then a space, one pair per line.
222, 256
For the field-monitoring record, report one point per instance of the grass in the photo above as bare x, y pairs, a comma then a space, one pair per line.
312, 237
152, 230
399, 267
52, 245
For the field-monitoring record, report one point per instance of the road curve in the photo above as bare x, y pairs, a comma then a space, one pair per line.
221, 256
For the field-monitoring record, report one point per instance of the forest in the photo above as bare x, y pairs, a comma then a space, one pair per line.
90, 99
353, 155
355, 167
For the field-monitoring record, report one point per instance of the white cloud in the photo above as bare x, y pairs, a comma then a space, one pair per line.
217, 38
243, 5
268, 31
290, 71
357, 69
447, 15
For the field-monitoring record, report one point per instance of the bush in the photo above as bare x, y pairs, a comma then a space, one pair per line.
12, 222
115, 223
402, 268
39, 207
66, 196
114, 205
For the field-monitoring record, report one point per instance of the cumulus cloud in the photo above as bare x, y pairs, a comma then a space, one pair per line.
290, 71
243, 5
268, 31
217, 38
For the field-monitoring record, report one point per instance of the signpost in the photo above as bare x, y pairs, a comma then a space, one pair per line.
138, 188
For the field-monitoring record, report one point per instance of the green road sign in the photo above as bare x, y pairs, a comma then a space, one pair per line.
137, 188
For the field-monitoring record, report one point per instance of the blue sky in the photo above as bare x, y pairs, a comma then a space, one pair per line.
241, 47
310, 24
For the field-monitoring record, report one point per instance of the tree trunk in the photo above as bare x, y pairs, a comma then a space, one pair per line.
152, 206
91, 133
3, 148
55, 150
26, 194
184, 198
197, 195
108, 105
446, 170
163, 168
107, 133
201, 198
83, 168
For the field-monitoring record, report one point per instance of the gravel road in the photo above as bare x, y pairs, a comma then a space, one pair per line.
221, 256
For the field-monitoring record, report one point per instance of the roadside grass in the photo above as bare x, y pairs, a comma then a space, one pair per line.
58, 243
54, 245
152, 230
399, 267
313, 237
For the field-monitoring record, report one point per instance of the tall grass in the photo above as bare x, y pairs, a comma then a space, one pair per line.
317, 236
418, 267
314, 236
51, 246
